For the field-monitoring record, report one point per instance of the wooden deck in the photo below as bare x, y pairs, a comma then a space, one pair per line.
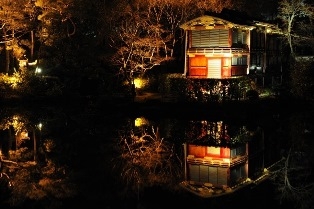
207, 190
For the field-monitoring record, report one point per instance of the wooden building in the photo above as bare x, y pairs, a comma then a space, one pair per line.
228, 45
218, 166
222, 158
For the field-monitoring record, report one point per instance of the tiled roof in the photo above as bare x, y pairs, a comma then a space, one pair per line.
229, 19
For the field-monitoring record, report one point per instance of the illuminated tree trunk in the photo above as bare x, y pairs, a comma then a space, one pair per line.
32, 45
7, 52
290, 11
289, 35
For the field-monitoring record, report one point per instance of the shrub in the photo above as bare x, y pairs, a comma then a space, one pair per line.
252, 94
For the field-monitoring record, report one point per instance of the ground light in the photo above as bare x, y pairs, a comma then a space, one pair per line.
140, 122
38, 70
139, 83
40, 125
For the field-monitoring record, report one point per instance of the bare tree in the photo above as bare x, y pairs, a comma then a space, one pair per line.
147, 159
170, 15
292, 12
46, 20
137, 43
146, 32
294, 176
293, 180
213, 5
301, 79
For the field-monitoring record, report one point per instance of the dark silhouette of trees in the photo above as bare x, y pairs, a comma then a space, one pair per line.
294, 178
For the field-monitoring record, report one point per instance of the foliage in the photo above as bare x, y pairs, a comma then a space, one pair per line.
24, 83
252, 95
204, 91
173, 83
301, 76
45, 180
47, 185
145, 34
5, 186
217, 133
215, 5
146, 158
124, 39
15, 23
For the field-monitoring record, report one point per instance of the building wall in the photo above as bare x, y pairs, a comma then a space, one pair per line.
217, 175
217, 53
220, 49
205, 151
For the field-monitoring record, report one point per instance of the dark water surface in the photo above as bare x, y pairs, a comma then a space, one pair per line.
88, 143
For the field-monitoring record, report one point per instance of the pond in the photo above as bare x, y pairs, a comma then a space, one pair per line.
82, 154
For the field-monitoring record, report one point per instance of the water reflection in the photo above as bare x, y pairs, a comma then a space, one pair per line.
79, 157
29, 161
216, 157
146, 158
220, 158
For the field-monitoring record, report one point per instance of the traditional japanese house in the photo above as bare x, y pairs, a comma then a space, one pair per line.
229, 45
222, 158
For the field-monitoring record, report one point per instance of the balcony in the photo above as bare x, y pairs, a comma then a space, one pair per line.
209, 161
218, 51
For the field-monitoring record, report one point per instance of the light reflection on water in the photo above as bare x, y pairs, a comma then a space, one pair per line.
83, 157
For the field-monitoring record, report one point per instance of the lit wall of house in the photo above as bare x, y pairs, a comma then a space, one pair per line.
220, 166
218, 48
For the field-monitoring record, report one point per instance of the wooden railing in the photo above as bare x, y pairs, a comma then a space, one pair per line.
217, 162
217, 50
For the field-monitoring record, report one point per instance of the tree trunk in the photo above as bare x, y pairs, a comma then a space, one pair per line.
7, 58
289, 35
32, 46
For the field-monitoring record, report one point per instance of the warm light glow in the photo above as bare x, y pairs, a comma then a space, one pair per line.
16, 122
32, 63
40, 125
38, 70
139, 83
227, 54
227, 160
23, 63
226, 62
24, 135
140, 122
13, 80
218, 55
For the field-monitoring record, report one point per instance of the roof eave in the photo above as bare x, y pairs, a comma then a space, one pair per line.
209, 22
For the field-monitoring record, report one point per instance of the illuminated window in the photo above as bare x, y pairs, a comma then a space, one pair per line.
239, 60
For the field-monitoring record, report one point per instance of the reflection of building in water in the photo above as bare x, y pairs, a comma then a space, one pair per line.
220, 158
